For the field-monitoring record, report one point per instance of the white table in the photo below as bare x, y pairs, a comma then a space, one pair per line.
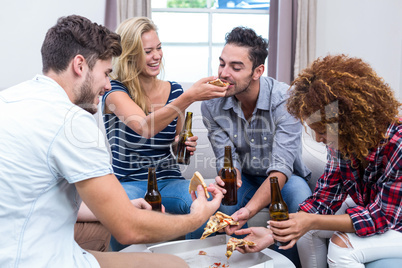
217, 244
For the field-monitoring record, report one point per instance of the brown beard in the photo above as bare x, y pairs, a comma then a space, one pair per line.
86, 96
245, 88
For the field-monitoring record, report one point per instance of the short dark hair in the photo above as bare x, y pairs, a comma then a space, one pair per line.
246, 37
75, 35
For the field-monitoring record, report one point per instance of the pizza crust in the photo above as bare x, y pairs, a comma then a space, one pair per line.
234, 242
219, 83
195, 181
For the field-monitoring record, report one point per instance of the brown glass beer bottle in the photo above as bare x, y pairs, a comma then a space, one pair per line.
229, 177
278, 209
152, 196
183, 156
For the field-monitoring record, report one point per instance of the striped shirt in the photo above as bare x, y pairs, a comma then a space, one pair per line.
132, 154
378, 195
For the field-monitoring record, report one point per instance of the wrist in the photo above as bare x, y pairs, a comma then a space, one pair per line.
188, 98
251, 212
313, 221
198, 217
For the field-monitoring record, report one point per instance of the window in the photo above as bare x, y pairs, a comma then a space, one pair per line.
193, 32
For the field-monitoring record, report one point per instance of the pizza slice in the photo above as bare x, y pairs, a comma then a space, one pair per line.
234, 242
217, 222
195, 180
218, 82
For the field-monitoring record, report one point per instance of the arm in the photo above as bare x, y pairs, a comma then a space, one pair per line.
302, 222
259, 201
262, 197
86, 215
383, 211
286, 142
293, 229
107, 199
149, 125
317, 211
376, 217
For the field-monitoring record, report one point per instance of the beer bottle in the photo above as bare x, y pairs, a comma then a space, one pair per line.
152, 196
183, 156
278, 209
228, 175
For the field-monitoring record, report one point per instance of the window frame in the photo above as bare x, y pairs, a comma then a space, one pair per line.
210, 12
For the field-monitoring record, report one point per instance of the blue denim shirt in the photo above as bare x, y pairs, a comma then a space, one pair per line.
269, 141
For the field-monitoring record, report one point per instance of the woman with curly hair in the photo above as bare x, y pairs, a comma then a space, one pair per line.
354, 112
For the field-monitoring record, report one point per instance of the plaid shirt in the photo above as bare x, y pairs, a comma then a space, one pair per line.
378, 196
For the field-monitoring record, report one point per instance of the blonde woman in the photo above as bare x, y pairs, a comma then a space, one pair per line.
143, 115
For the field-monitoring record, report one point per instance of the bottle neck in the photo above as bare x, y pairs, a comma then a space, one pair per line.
276, 195
227, 161
188, 122
152, 180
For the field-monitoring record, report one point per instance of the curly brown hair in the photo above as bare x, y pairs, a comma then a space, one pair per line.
346, 92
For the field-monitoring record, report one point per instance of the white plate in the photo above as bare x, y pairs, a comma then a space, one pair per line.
215, 247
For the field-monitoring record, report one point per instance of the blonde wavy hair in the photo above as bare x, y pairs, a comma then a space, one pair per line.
128, 67
347, 93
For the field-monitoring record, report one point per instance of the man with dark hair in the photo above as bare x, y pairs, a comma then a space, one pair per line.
53, 154
252, 119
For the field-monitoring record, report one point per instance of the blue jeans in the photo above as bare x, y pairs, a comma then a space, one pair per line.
295, 191
175, 198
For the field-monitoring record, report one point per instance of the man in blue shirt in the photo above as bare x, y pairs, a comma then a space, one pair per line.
252, 119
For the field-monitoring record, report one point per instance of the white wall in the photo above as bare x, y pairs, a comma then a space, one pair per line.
23, 25
368, 29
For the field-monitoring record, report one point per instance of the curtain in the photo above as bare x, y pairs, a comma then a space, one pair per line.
282, 39
306, 34
120, 10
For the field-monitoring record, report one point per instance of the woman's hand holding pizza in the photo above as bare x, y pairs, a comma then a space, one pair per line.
201, 90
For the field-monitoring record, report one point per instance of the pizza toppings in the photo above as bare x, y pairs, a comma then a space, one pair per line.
217, 222
219, 265
202, 252
234, 242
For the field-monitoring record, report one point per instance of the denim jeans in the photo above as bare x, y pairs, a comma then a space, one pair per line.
175, 198
295, 191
